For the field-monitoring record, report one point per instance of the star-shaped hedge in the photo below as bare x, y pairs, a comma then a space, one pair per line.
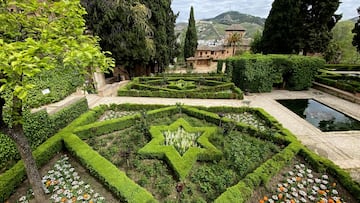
182, 165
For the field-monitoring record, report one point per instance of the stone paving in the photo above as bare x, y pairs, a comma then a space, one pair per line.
340, 147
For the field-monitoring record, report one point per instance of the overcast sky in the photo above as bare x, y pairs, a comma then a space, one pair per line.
211, 8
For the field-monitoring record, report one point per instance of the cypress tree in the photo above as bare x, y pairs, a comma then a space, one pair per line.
190, 43
295, 25
356, 31
318, 19
281, 33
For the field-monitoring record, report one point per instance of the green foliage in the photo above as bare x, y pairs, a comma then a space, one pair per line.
343, 37
163, 21
356, 31
279, 37
255, 45
106, 172
344, 82
38, 127
307, 28
13, 177
123, 27
195, 87
258, 73
190, 43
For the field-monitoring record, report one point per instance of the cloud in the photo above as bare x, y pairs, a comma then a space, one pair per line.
211, 8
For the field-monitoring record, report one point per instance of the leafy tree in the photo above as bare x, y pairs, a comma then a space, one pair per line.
123, 28
356, 31
333, 53
343, 37
318, 19
162, 21
190, 43
255, 45
38, 35
282, 28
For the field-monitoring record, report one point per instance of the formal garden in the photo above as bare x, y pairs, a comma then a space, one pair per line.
157, 153
150, 153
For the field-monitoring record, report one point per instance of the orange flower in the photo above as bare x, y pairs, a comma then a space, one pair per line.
48, 182
91, 201
266, 198
292, 201
85, 196
73, 199
321, 192
338, 201
261, 201
280, 196
322, 201
63, 199
298, 179
331, 201
333, 184
281, 189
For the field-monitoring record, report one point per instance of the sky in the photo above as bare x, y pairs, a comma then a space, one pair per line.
261, 8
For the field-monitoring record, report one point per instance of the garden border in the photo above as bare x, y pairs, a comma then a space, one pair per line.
65, 139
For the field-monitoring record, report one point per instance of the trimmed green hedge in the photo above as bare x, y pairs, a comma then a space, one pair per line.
343, 82
38, 127
217, 88
259, 73
106, 172
343, 67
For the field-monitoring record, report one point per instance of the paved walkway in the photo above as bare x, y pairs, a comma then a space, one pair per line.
340, 147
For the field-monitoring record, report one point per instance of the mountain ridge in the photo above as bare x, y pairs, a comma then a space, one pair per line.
235, 17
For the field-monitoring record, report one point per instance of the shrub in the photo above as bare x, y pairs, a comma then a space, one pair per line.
258, 73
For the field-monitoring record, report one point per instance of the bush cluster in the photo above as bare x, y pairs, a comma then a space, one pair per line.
259, 73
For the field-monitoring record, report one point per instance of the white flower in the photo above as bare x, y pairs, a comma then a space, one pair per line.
275, 197
325, 177
323, 187
303, 200
335, 192
22, 198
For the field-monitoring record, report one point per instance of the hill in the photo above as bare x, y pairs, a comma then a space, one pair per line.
234, 17
214, 28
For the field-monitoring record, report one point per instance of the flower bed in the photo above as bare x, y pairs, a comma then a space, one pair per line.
300, 183
249, 119
64, 184
111, 114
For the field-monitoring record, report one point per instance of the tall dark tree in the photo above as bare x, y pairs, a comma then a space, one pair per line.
295, 25
162, 23
123, 29
318, 19
356, 31
190, 43
281, 33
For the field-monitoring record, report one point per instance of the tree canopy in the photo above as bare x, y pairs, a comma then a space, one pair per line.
162, 22
123, 28
190, 43
299, 25
356, 31
36, 36
282, 28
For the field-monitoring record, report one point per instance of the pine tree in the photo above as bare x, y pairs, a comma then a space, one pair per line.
281, 33
190, 43
356, 31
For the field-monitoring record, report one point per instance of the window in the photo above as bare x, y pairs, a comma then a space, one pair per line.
212, 52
